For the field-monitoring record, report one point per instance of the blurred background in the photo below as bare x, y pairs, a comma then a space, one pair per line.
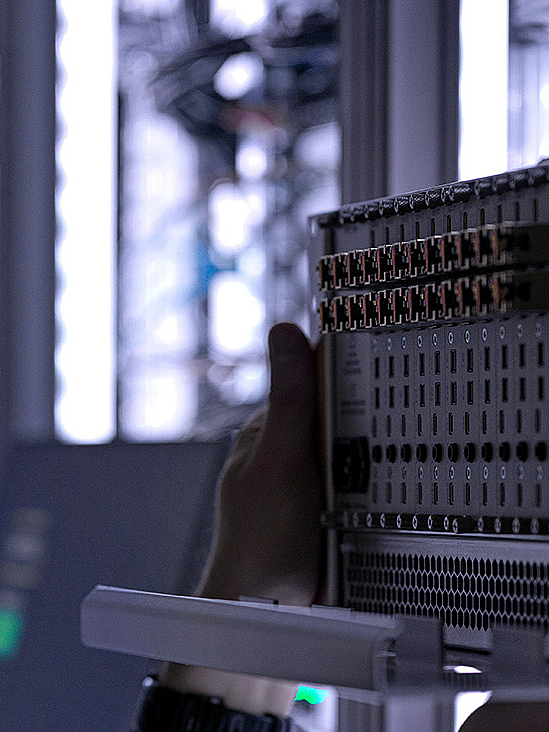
159, 160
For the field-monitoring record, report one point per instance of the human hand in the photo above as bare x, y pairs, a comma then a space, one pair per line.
509, 717
267, 537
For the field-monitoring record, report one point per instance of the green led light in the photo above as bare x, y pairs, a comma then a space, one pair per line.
11, 631
308, 694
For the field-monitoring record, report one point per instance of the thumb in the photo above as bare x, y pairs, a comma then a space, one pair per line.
292, 395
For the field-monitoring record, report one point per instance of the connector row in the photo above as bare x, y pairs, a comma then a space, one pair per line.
464, 297
458, 251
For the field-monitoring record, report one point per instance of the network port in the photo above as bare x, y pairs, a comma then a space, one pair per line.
467, 304
449, 252
385, 263
416, 258
356, 268
400, 260
385, 307
355, 309
486, 245
340, 314
370, 309
466, 249
401, 306
369, 266
449, 299
416, 296
433, 301
326, 272
341, 270
326, 317
484, 299
433, 255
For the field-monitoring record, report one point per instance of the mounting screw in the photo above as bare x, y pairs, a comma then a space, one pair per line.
520, 472
484, 334
403, 342
520, 330
451, 472
389, 344
419, 341
430, 522
537, 329
480, 524
503, 472
467, 336
374, 345
369, 520
399, 521
539, 473
435, 339
446, 523
451, 337
497, 525
420, 472
534, 526
516, 526
502, 332
435, 472
414, 521
455, 526
485, 472
468, 472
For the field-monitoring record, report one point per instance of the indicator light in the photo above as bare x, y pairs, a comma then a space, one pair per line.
11, 631
311, 695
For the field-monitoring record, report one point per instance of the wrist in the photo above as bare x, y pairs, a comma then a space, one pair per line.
238, 691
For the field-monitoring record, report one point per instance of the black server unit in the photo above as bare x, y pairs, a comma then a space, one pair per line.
433, 308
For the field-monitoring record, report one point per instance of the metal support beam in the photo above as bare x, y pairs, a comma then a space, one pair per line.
398, 95
27, 218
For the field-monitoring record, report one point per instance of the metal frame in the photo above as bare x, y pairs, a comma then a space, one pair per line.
27, 219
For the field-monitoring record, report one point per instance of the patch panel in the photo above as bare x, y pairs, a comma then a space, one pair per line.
486, 247
465, 297
434, 312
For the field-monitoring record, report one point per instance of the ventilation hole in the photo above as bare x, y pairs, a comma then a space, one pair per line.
504, 391
438, 452
522, 451
487, 452
505, 451
469, 452
406, 453
421, 452
504, 358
